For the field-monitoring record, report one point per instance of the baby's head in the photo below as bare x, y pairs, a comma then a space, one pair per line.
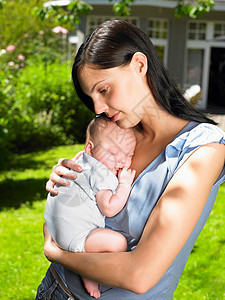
108, 143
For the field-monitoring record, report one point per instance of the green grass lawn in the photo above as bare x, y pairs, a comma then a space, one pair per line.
22, 262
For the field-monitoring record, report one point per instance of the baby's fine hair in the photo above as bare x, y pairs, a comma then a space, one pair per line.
96, 126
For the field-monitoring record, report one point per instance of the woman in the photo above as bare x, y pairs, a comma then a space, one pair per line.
179, 163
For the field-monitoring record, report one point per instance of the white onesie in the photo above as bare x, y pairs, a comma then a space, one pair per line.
73, 213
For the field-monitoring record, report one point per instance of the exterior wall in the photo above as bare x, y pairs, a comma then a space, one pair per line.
177, 49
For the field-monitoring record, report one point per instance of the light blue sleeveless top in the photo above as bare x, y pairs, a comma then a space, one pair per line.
145, 192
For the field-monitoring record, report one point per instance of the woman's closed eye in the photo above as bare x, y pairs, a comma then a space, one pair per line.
103, 91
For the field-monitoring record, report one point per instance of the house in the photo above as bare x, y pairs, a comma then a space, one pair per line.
192, 49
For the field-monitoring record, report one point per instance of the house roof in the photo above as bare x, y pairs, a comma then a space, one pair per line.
220, 4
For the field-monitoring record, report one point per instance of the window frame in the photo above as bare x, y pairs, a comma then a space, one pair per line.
161, 42
205, 45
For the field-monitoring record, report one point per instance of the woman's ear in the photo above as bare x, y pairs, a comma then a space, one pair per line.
89, 146
140, 63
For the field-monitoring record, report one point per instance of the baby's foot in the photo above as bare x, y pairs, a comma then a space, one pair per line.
92, 287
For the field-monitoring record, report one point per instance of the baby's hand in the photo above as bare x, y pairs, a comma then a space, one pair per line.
126, 176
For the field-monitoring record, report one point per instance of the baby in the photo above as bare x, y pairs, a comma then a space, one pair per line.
76, 216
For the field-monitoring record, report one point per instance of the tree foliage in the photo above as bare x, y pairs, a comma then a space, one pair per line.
77, 8
2, 2
71, 15
194, 8
121, 8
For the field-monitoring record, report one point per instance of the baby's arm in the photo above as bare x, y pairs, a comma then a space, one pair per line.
110, 204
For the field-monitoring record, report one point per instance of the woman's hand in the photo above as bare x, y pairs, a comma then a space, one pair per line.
51, 249
63, 170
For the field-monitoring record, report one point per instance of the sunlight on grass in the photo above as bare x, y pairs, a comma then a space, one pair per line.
204, 274
23, 264
23, 195
37, 164
26, 177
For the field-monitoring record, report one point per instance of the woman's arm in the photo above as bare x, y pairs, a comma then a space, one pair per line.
167, 230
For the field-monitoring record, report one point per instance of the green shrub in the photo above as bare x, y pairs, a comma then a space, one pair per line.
6, 103
41, 108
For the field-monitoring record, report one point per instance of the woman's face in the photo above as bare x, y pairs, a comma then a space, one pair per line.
120, 92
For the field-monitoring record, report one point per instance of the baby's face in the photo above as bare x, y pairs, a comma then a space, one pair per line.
116, 148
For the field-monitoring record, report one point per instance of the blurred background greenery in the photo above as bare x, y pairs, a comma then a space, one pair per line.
38, 104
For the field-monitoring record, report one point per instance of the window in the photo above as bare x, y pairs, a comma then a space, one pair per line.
160, 51
196, 31
158, 32
202, 38
94, 21
194, 66
219, 30
157, 28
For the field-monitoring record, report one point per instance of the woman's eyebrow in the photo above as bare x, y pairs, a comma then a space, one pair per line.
92, 90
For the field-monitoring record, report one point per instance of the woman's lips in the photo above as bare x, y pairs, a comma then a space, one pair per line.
115, 117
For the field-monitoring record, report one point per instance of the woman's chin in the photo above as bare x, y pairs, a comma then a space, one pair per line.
125, 124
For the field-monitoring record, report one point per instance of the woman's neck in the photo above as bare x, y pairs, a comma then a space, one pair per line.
159, 128
157, 123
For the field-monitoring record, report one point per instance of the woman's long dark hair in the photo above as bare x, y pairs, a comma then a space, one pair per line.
113, 44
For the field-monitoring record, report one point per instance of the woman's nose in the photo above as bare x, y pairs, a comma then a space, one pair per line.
100, 107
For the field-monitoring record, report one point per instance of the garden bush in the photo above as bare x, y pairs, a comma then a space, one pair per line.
5, 104
39, 108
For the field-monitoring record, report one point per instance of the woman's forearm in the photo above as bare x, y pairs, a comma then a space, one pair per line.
122, 270
107, 268
111, 269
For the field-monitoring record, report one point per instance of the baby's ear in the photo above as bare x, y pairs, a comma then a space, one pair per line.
89, 147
